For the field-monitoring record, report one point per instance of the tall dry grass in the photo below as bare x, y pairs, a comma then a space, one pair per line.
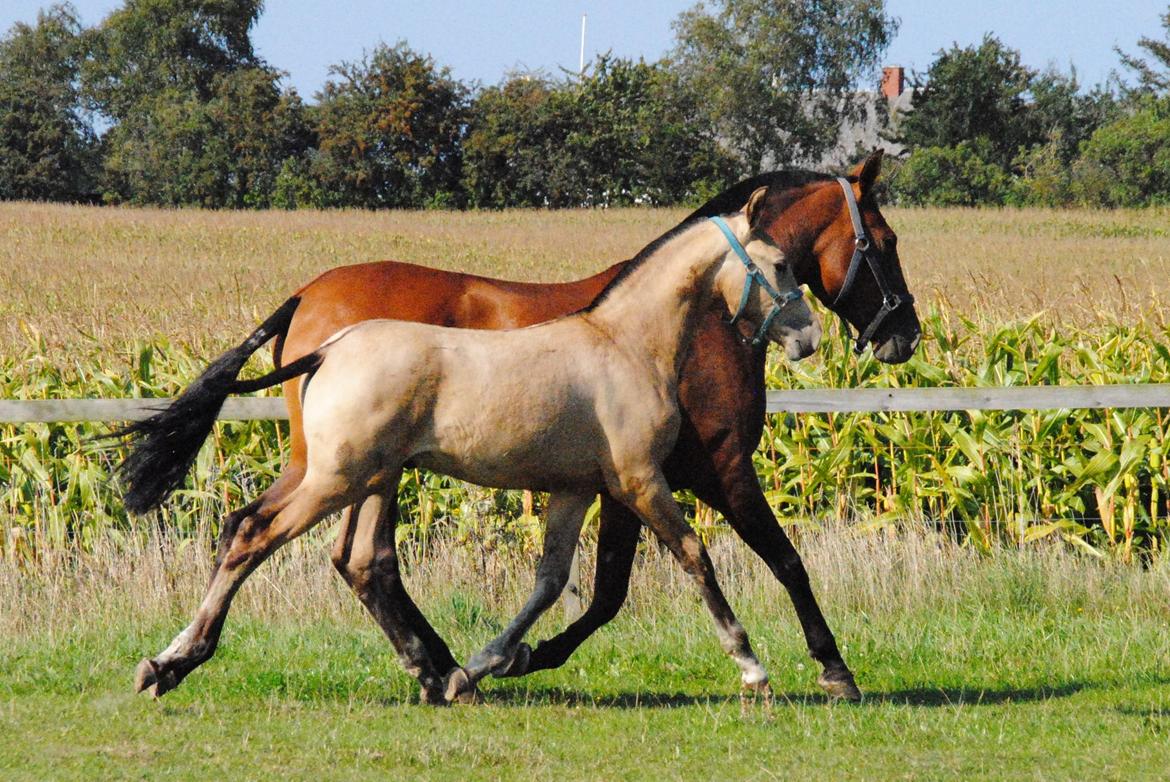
143, 578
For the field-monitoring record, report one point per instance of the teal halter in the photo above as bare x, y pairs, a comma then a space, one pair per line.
754, 274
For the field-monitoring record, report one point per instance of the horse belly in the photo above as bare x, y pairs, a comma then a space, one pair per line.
508, 446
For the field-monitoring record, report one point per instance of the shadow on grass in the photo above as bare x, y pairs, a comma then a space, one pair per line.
919, 696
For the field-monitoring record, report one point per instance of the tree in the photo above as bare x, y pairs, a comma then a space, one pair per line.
959, 175
1127, 162
778, 77
197, 118
1153, 74
641, 135
1061, 115
176, 149
148, 47
47, 148
515, 136
627, 133
390, 129
973, 93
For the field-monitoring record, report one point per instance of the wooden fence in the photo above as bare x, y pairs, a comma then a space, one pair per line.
827, 400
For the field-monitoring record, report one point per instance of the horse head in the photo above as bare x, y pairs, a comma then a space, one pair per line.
757, 283
838, 244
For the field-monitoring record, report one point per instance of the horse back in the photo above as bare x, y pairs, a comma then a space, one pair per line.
347, 295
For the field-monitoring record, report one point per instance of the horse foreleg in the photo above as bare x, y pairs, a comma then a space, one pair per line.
366, 555
271, 521
741, 501
617, 542
651, 499
564, 515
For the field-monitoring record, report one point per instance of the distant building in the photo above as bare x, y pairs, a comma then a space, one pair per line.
881, 109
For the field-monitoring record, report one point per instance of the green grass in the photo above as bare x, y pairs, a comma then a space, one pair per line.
1023, 665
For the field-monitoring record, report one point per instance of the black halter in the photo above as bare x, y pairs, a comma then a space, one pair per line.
863, 248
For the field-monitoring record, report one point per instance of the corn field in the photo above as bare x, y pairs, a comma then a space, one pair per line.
1097, 479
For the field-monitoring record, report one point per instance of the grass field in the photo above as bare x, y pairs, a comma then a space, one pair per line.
1023, 665
77, 274
980, 659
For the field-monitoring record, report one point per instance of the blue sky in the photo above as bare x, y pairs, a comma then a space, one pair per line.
482, 41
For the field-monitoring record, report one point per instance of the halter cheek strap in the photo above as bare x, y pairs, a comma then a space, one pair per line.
863, 249
755, 275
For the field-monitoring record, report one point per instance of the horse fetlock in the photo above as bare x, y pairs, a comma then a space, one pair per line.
752, 673
517, 666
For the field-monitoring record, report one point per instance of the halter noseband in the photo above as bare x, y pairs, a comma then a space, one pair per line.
863, 248
754, 274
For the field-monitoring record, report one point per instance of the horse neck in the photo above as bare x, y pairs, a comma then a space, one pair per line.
656, 309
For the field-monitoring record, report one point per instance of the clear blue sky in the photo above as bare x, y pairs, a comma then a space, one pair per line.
482, 41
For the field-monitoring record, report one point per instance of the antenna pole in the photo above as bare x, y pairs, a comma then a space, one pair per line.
581, 60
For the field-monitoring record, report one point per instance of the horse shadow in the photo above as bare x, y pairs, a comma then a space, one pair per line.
914, 696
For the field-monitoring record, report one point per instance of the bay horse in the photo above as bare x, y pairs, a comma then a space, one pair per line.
721, 393
581, 403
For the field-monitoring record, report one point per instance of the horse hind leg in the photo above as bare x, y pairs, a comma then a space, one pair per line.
245, 542
564, 516
366, 556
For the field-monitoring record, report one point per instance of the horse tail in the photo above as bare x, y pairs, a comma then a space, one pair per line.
164, 446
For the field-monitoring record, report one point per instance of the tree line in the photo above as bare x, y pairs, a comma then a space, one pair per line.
166, 102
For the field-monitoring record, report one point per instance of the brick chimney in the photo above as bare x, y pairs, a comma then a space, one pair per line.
893, 81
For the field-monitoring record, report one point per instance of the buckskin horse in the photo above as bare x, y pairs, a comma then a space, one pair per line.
837, 243
584, 402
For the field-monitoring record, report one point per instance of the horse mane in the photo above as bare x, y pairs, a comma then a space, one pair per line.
727, 202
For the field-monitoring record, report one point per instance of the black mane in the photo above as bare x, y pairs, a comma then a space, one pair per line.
730, 200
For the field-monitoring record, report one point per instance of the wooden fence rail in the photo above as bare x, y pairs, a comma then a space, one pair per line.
818, 400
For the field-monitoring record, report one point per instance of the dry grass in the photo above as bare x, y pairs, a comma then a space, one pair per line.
147, 575
123, 274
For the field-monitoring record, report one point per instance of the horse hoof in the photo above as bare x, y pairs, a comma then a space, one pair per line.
460, 688
433, 696
150, 678
840, 687
518, 665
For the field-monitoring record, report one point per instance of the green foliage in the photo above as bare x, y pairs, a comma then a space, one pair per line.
972, 93
1127, 162
197, 118
960, 175
1098, 479
1153, 69
628, 133
150, 47
47, 148
179, 150
778, 77
389, 130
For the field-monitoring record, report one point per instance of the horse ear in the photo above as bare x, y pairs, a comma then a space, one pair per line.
755, 205
868, 171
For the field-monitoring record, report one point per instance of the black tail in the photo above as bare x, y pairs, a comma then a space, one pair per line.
165, 445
